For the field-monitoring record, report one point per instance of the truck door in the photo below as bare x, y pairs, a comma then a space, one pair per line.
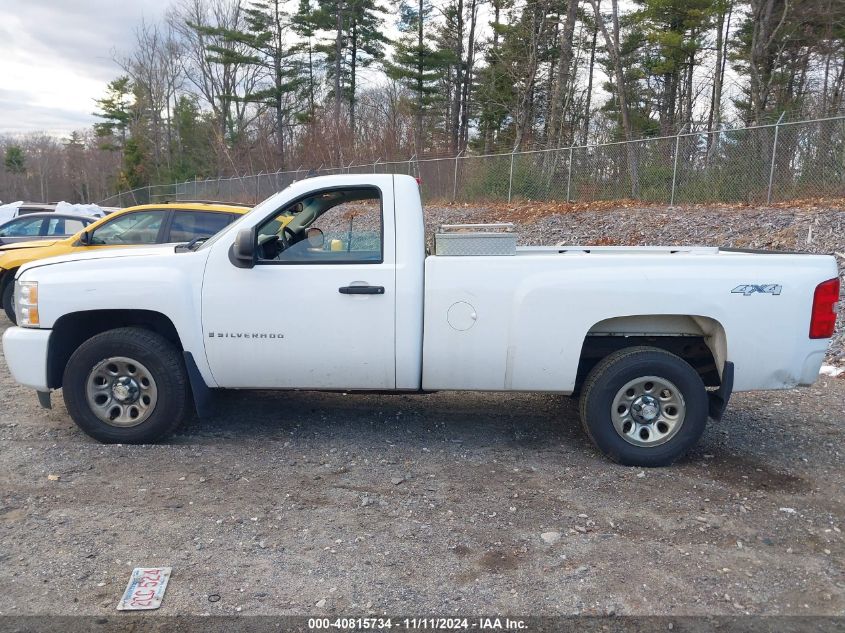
317, 311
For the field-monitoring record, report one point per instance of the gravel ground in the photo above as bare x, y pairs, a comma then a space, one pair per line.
303, 503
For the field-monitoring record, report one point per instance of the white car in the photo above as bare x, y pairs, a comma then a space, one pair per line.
326, 286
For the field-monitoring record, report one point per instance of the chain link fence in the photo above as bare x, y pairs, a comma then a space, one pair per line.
764, 164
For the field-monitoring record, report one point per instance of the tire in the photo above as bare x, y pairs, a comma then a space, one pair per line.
8, 299
637, 426
105, 378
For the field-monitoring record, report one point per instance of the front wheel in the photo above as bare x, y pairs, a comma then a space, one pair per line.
643, 406
126, 385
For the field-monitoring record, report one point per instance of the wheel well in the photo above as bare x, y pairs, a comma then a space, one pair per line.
71, 330
7, 277
698, 340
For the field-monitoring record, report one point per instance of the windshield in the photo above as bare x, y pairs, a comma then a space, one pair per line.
140, 227
273, 202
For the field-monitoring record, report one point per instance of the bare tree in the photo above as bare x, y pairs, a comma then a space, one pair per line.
156, 72
214, 64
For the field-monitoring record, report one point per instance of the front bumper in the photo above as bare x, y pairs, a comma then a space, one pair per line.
26, 351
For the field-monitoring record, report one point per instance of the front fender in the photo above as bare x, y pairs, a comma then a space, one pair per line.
150, 284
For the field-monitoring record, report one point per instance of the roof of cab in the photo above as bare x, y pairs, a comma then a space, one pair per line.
222, 207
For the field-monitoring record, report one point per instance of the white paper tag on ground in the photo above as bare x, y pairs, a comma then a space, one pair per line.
145, 589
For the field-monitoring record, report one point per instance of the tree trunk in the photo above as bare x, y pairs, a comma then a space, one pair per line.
338, 51
418, 141
454, 119
488, 126
524, 110
564, 74
353, 61
613, 50
766, 24
463, 139
589, 97
714, 121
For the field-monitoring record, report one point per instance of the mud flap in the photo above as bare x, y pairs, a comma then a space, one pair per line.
719, 398
203, 396
44, 399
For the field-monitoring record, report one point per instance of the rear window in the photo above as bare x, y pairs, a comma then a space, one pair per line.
64, 226
188, 225
23, 209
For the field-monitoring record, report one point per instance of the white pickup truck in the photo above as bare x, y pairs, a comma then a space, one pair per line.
326, 286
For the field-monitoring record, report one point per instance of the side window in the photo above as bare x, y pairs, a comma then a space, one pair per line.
341, 226
141, 227
22, 228
190, 224
64, 226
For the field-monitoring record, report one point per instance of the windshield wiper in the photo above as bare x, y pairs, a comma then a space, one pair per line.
192, 245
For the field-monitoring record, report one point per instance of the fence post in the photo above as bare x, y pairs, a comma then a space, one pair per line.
375, 164
675, 166
510, 177
569, 175
455, 185
410, 163
774, 156
349, 166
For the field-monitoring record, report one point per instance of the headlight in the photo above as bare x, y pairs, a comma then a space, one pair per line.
26, 303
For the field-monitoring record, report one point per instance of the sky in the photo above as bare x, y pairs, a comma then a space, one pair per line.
56, 59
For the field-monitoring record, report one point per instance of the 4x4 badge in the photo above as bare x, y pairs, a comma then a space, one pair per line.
750, 289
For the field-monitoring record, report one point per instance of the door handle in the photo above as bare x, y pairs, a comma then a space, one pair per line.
361, 290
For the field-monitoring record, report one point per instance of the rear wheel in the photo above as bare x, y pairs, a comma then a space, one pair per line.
643, 406
8, 299
127, 385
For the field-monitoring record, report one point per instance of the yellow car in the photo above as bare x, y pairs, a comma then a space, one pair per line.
172, 222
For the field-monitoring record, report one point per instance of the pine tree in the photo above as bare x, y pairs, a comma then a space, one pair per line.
193, 151
115, 109
357, 41
418, 66
305, 24
75, 152
493, 91
14, 160
266, 36
673, 32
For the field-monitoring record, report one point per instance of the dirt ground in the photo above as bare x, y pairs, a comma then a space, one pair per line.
311, 504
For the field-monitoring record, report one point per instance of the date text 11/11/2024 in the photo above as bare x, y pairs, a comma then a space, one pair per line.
414, 624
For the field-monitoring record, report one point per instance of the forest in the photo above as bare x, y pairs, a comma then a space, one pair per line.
230, 87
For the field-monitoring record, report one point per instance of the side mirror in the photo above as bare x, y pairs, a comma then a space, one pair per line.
243, 250
85, 238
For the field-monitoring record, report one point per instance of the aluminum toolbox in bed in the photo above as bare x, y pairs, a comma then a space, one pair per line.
475, 239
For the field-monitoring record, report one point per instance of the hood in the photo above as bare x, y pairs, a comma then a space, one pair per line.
104, 253
35, 244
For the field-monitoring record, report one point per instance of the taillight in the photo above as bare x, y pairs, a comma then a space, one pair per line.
823, 318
